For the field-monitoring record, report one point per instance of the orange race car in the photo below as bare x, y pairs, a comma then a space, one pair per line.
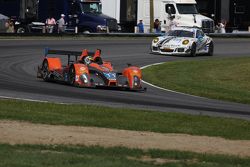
87, 69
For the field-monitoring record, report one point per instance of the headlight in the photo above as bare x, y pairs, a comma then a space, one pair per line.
84, 78
136, 81
185, 42
101, 28
156, 40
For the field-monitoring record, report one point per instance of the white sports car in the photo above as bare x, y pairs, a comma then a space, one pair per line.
183, 41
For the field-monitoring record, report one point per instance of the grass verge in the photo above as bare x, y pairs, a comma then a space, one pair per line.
224, 79
65, 156
127, 119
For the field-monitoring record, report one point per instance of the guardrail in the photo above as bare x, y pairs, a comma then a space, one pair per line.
214, 35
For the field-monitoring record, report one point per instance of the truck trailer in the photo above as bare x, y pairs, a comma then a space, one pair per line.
125, 12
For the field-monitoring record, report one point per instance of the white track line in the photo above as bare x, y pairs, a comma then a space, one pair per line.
30, 100
168, 90
16, 98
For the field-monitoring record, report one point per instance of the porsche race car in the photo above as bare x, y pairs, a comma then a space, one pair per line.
87, 69
183, 41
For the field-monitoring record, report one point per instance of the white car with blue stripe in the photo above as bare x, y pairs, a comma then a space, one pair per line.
183, 41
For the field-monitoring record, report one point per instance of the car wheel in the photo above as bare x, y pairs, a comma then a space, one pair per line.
20, 30
86, 31
45, 71
211, 49
72, 75
193, 50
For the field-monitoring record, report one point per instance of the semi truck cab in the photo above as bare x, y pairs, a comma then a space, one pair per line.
174, 13
185, 13
87, 16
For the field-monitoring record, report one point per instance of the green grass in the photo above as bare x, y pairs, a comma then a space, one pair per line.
76, 156
128, 119
224, 79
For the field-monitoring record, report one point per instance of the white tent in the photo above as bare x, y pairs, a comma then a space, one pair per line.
3, 17
3, 20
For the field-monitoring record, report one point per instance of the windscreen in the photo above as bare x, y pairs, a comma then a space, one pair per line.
181, 33
187, 8
91, 7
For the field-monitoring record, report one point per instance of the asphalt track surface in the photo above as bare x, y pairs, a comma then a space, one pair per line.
19, 60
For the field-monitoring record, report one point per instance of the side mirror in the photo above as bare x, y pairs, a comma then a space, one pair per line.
172, 17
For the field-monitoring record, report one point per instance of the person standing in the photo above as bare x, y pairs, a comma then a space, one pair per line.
50, 24
61, 24
157, 26
9, 25
140, 27
222, 27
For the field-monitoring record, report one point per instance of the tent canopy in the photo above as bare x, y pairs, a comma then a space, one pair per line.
3, 17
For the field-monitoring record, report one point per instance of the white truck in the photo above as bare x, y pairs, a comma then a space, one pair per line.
174, 13
169, 12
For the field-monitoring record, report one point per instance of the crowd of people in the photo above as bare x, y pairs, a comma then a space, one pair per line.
157, 26
219, 28
51, 25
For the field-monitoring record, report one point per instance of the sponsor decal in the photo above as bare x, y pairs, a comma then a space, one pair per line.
170, 46
110, 75
82, 69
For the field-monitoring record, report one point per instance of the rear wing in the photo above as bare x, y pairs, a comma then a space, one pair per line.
70, 54
49, 51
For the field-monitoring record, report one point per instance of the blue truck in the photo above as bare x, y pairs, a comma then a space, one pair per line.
81, 15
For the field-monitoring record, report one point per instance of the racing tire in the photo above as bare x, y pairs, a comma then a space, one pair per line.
210, 49
193, 50
45, 71
72, 75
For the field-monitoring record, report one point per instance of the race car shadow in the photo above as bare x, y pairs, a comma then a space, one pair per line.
114, 88
181, 55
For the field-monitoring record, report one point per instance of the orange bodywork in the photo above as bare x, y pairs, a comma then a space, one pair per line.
88, 70
54, 64
130, 72
79, 70
97, 54
108, 65
105, 67
84, 54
